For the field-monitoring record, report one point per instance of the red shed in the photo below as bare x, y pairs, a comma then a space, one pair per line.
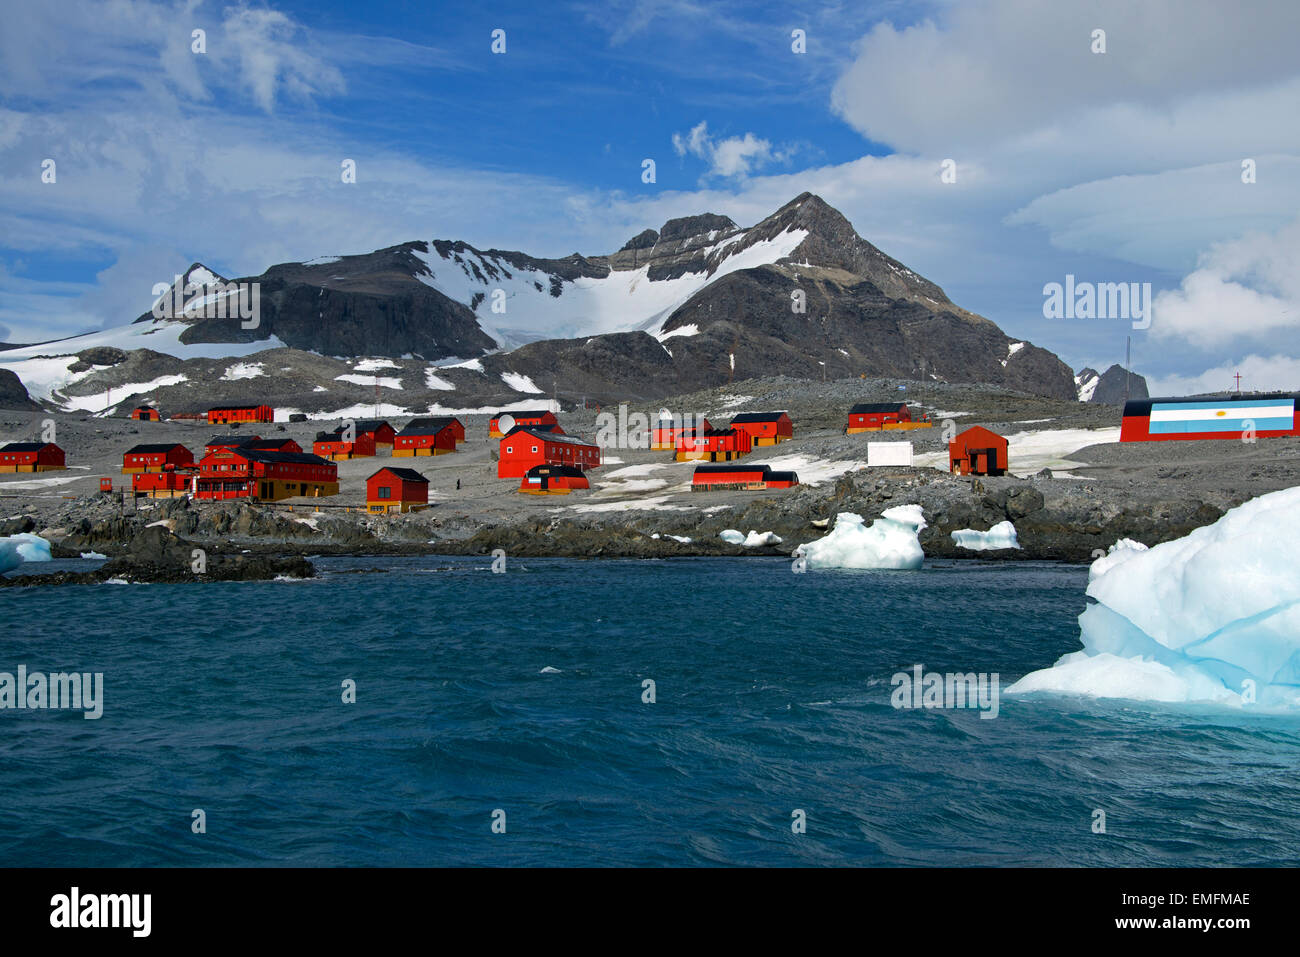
380, 432
977, 451
764, 428
523, 417
521, 450
334, 445
435, 435
665, 433
716, 445
394, 489
553, 480
874, 416
240, 413
155, 457
31, 457
270, 445
146, 413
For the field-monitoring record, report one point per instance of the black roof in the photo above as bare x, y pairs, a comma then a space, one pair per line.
272, 444
733, 467
726, 431
150, 448
369, 425
563, 470
548, 429
524, 413
268, 455
231, 440
757, 416
1142, 407
783, 477
428, 426
870, 408
25, 446
553, 436
406, 475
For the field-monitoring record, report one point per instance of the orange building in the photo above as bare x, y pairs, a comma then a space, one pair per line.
764, 428
31, 457
155, 457
523, 417
393, 489
553, 480
146, 413
977, 451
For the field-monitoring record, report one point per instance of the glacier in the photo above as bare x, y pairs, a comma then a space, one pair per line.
891, 541
1001, 535
1210, 617
23, 547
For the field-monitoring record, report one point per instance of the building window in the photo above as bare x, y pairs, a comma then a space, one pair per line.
510, 449
385, 491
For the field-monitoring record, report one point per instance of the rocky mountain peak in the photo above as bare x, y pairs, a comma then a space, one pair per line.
685, 227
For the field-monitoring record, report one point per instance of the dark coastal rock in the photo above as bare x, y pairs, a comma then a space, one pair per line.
13, 394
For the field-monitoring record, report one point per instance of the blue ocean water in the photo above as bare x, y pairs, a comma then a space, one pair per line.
523, 692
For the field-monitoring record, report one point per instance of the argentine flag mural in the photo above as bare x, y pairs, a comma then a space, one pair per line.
1261, 415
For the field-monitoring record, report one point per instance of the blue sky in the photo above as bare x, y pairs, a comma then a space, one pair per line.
1123, 166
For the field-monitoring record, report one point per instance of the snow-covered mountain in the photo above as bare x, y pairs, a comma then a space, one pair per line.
690, 305
1109, 387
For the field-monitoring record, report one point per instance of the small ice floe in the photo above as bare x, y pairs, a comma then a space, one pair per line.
752, 540
684, 539
548, 670
94, 555
1001, 535
891, 541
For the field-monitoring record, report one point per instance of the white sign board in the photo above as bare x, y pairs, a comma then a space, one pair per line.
889, 453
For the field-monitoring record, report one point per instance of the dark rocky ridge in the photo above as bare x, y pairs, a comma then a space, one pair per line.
13, 394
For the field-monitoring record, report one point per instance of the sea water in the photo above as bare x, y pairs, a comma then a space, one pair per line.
566, 712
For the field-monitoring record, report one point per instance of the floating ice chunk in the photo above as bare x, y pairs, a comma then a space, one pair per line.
755, 539
1001, 535
94, 555
1218, 610
891, 541
731, 536
23, 547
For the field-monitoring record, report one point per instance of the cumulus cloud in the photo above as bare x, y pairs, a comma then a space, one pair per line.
1248, 289
734, 156
1275, 373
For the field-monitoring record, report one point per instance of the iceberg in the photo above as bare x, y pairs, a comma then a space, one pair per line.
891, 541
1001, 535
23, 547
1210, 617
752, 540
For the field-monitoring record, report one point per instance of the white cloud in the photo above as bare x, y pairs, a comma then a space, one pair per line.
1248, 288
1276, 373
734, 156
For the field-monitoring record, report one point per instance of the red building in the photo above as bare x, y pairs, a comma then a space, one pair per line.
265, 476
521, 450
526, 417
977, 451
764, 428
428, 436
876, 416
223, 415
173, 483
553, 480
270, 445
155, 457
333, 445
146, 413
31, 457
750, 478
380, 432
715, 445
664, 435
396, 490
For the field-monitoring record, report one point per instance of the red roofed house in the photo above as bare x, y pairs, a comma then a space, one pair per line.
742, 477
764, 428
528, 417
715, 445
155, 457
522, 449
145, 413
240, 413
665, 433
435, 435
265, 476
977, 451
553, 480
334, 445
394, 489
876, 416
31, 457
